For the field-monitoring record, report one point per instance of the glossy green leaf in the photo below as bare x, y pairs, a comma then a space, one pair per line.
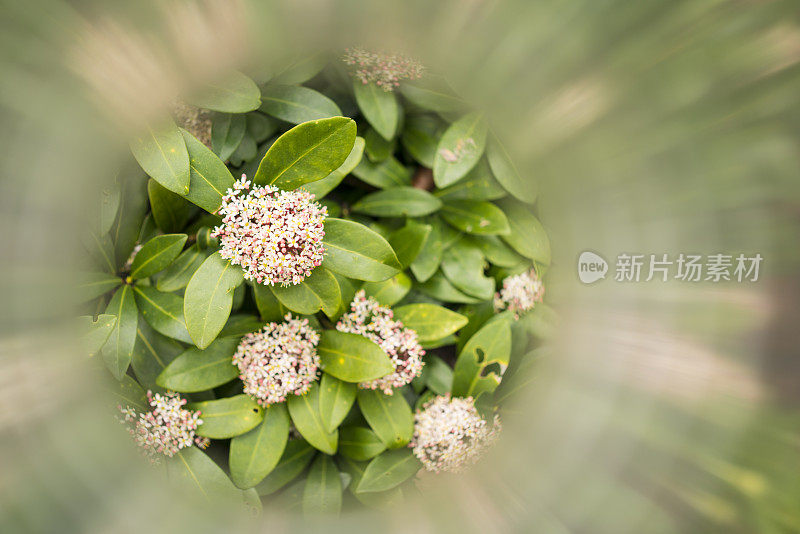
438, 375
463, 266
408, 241
92, 285
387, 173
478, 184
439, 287
109, 205
162, 311
297, 104
192, 469
161, 152
459, 150
170, 211
527, 235
210, 178
421, 138
398, 202
307, 418
127, 393
376, 147
319, 291
100, 250
235, 93
226, 418
320, 188
495, 250
389, 292
199, 370
253, 455
260, 127
336, 397
246, 151
180, 271
355, 251
475, 217
157, 254
296, 456
432, 93
388, 470
131, 213
507, 174
301, 70
95, 331
359, 443
352, 357
427, 261
307, 153
483, 360
269, 307
322, 493
389, 416
380, 108
429, 321
241, 324
209, 297
118, 349
151, 354
227, 132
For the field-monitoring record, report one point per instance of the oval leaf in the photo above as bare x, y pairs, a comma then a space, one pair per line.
322, 493
388, 415
359, 443
507, 174
210, 178
95, 331
389, 292
194, 470
388, 470
320, 188
429, 321
253, 455
296, 456
463, 266
296, 104
355, 251
199, 370
226, 418
408, 241
335, 400
490, 346
398, 202
352, 357
162, 153
162, 311
527, 235
227, 132
317, 291
476, 217
170, 211
180, 271
157, 254
236, 93
92, 285
118, 349
306, 417
380, 108
459, 149
478, 184
429, 258
439, 287
151, 354
209, 297
387, 173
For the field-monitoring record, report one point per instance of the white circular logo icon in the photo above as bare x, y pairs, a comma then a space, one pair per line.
591, 267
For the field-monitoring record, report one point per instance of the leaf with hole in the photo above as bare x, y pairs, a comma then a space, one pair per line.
483, 360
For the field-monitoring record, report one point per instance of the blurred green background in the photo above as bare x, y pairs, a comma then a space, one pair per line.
649, 126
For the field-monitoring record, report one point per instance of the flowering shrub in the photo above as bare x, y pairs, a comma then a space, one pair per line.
300, 269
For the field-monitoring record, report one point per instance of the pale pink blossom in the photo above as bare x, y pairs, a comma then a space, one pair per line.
519, 293
384, 70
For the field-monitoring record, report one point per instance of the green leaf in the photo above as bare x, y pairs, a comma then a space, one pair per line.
421, 138
429, 321
109, 204
307, 153
162, 154
495, 250
128, 393
226, 418
296, 456
198, 370
380, 108
355, 251
253, 455
483, 360
387, 173
180, 271
100, 251
398, 202
269, 307
460, 148
388, 415
260, 127
227, 132
170, 211
209, 297
210, 178
194, 470
376, 147
352, 357
408, 241
236, 93
388, 470
297, 104
440, 288
118, 350
478, 184
527, 235
432, 94
359, 443
151, 354
95, 331
157, 254
507, 174
438, 376
463, 266
162, 311
92, 285
389, 292
322, 493
239, 325
475, 217
335, 400
307, 418
131, 213
320, 188
317, 291
429, 258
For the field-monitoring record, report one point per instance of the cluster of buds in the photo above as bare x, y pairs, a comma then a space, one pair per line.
376, 322
278, 360
384, 70
194, 120
165, 429
450, 435
275, 236
519, 293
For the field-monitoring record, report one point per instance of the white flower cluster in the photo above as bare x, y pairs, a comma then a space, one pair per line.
278, 360
165, 429
450, 435
519, 293
276, 236
371, 320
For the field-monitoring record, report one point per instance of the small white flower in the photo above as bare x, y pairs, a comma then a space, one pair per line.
519, 293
